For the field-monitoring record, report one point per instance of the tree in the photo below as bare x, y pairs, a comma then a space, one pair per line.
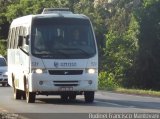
148, 61
4, 24
121, 40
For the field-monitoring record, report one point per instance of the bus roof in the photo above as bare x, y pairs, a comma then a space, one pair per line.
27, 20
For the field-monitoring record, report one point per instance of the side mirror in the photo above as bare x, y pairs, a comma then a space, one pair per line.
20, 41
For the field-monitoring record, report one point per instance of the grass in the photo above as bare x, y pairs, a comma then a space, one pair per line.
138, 92
133, 91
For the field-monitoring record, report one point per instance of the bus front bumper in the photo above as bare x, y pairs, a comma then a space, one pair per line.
63, 83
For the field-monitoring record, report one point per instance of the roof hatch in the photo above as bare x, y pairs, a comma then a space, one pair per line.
56, 10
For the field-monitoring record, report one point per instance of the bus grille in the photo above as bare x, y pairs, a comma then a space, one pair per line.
65, 72
65, 83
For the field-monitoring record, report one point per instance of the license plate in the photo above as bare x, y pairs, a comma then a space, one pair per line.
66, 88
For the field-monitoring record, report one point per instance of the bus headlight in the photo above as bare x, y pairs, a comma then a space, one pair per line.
39, 71
91, 71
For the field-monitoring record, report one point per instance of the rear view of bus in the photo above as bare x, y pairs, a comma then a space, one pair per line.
61, 57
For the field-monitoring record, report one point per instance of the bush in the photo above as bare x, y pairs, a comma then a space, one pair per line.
3, 47
107, 81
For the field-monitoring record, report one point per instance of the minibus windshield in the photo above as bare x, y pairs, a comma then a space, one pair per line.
62, 38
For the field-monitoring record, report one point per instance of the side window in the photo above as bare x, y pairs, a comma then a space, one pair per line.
12, 39
9, 39
23, 32
16, 37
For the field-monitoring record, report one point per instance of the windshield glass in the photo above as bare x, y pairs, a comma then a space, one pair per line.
62, 38
2, 62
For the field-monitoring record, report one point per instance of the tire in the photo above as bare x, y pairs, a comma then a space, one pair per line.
8, 85
30, 96
64, 97
3, 84
89, 96
17, 94
72, 96
23, 95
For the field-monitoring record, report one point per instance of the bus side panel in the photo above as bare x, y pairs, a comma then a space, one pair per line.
18, 67
11, 61
22, 69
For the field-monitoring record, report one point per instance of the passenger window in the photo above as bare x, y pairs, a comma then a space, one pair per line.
16, 37
12, 38
9, 39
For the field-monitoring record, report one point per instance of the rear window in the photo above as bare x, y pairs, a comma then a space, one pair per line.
2, 62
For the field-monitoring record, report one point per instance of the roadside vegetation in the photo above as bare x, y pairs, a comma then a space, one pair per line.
112, 85
138, 92
3, 47
127, 33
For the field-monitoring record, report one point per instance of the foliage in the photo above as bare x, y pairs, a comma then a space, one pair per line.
107, 81
138, 92
3, 47
122, 42
3, 20
147, 65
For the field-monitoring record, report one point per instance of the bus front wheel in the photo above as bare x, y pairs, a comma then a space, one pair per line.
64, 97
30, 96
89, 96
72, 96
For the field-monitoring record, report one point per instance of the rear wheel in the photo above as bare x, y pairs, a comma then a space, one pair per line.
3, 84
23, 95
17, 94
89, 96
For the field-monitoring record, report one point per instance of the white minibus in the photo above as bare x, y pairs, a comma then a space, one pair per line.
53, 53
